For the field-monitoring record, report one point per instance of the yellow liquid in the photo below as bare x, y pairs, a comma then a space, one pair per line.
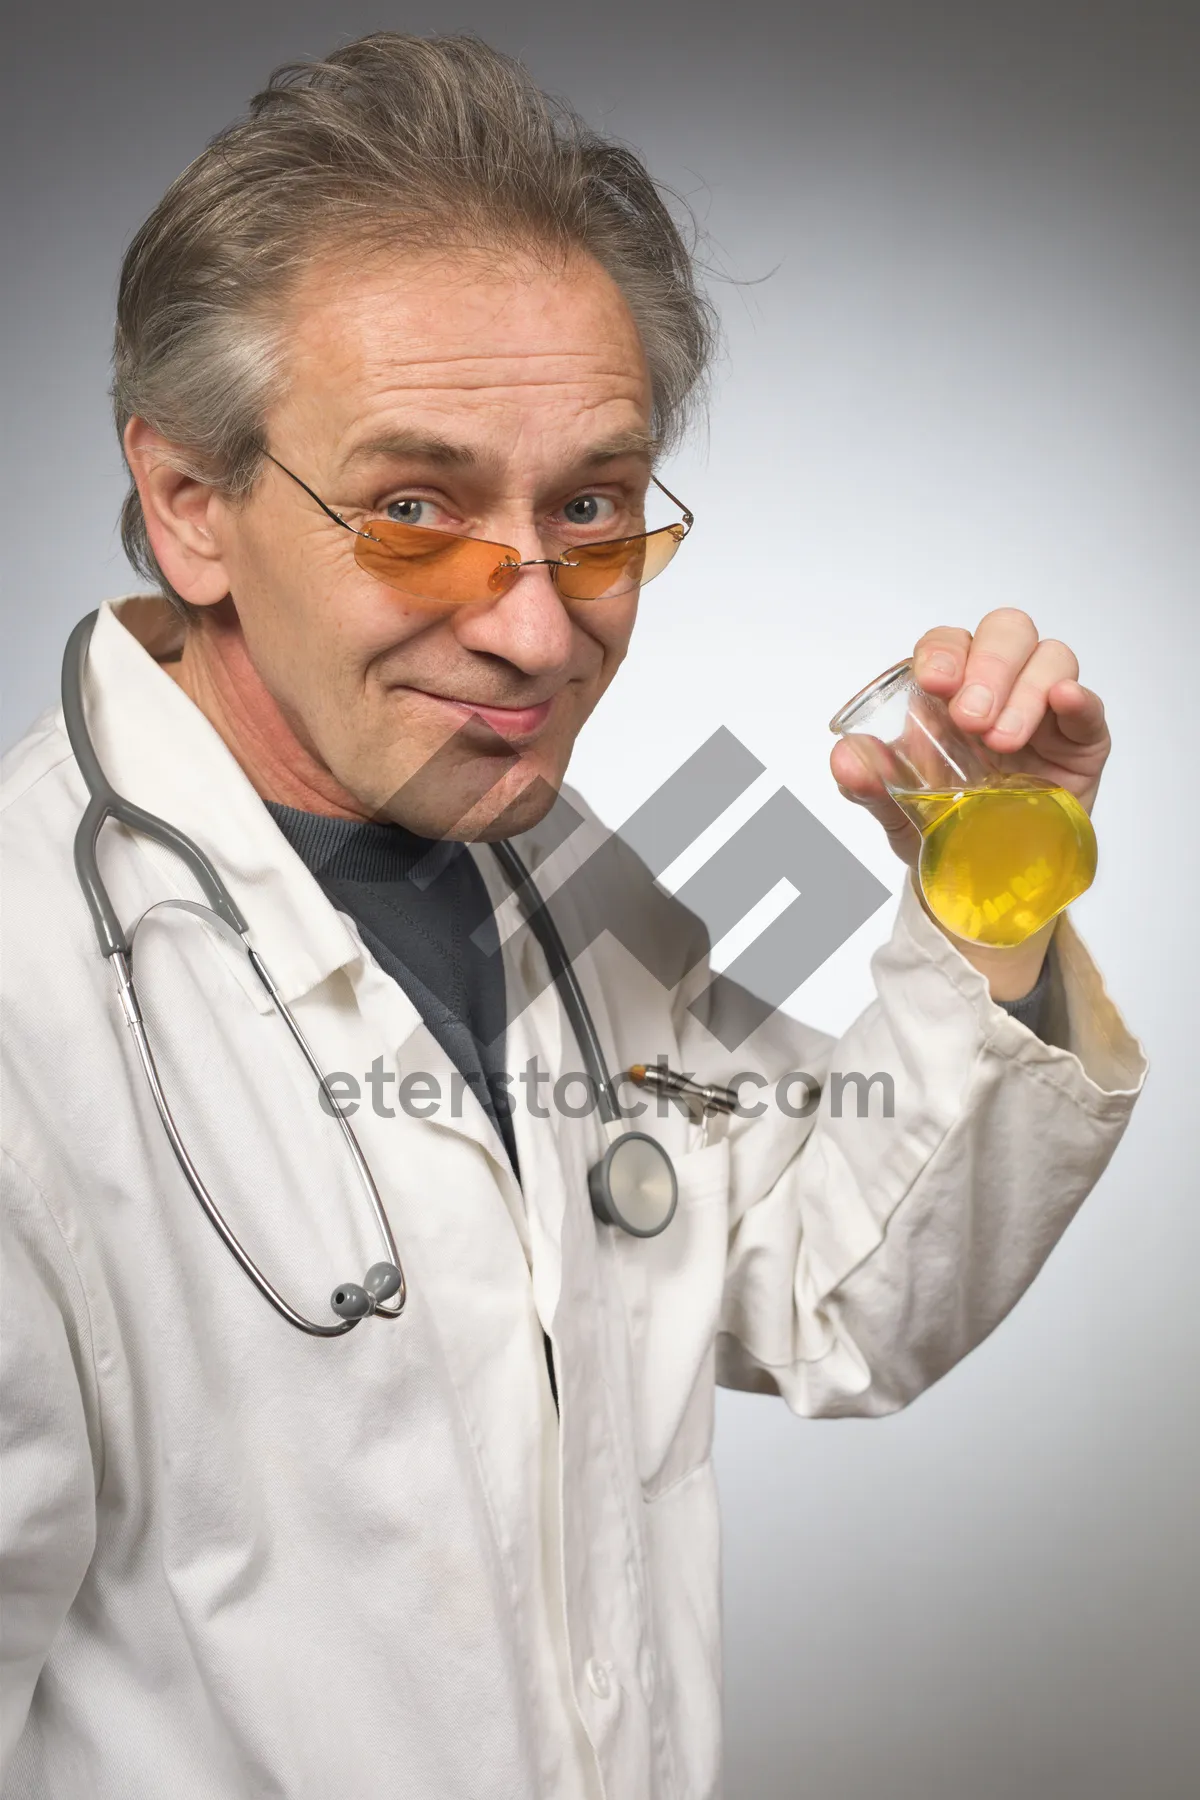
998, 862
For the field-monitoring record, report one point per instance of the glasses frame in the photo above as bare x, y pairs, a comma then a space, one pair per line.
506, 562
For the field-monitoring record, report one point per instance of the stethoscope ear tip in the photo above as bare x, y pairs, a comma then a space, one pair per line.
350, 1300
382, 1280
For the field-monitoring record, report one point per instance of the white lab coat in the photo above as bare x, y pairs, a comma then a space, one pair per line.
239, 1561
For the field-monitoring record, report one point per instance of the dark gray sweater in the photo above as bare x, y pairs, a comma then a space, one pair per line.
423, 911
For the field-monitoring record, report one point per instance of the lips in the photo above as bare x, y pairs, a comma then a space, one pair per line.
516, 724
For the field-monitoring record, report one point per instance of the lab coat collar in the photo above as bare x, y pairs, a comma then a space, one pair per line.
160, 751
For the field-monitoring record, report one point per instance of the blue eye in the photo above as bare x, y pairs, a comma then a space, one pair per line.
407, 512
587, 509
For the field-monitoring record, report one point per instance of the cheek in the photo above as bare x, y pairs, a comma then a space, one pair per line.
608, 628
610, 625
366, 619
306, 599
281, 577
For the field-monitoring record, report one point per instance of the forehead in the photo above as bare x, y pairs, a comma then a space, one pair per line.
483, 347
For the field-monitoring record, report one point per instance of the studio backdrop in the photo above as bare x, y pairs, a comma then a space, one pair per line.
956, 253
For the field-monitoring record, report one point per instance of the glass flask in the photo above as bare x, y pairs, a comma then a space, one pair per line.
1002, 853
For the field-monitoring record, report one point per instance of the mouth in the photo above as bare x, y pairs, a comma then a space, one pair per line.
515, 724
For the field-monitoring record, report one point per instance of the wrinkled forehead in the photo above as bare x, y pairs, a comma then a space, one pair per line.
471, 346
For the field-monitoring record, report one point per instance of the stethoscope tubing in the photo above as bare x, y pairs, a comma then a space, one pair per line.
611, 1199
195, 1181
104, 802
223, 914
562, 972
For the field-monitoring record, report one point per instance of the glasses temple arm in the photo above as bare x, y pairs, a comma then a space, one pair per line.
327, 510
689, 518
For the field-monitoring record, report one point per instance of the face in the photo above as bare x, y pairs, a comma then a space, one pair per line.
472, 395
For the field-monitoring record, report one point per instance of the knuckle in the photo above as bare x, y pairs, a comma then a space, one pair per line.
990, 659
944, 634
1061, 652
1014, 617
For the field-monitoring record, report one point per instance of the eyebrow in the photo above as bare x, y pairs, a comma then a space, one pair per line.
425, 446
626, 443
395, 446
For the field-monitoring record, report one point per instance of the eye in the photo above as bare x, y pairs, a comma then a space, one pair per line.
590, 509
411, 512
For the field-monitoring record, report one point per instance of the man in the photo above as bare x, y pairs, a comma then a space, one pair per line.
472, 1552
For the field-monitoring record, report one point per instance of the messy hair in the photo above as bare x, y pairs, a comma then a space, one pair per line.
390, 142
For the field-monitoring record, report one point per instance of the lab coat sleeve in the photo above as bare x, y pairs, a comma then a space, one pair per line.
48, 1458
868, 1254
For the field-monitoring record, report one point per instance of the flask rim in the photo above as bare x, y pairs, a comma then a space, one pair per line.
900, 675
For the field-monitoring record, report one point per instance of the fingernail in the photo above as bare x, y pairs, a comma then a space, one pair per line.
1010, 720
976, 700
942, 663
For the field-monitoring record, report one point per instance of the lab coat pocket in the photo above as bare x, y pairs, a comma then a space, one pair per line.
671, 1288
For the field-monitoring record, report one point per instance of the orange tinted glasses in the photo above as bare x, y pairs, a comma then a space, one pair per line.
441, 567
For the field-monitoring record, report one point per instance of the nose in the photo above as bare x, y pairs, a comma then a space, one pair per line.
528, 626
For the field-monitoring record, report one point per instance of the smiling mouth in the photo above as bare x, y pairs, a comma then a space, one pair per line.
516, 724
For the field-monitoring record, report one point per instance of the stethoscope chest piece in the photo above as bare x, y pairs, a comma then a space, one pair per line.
634, 1185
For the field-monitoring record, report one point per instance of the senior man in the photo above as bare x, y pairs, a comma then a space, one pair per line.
395, 357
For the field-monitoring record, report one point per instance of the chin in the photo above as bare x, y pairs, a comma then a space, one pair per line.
499, 815
475, 802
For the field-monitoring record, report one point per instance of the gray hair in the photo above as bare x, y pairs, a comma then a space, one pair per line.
390, 141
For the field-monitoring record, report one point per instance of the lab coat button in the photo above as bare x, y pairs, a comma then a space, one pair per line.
597, 1678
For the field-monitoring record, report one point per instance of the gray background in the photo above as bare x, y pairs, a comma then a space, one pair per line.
970, 378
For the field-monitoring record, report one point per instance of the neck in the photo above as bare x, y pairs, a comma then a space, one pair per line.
215, 672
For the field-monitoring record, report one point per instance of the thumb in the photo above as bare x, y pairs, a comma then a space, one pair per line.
859, 783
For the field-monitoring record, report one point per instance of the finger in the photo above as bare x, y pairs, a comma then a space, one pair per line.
1078, 713
856, 778
857, 782
940, 657
1002, 645
1028, 700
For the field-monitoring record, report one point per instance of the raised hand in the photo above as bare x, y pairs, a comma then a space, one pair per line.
1018, 693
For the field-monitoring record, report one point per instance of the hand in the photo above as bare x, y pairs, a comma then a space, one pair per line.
1021, 697
1018, 694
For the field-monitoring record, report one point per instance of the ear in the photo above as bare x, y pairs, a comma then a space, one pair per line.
183, 517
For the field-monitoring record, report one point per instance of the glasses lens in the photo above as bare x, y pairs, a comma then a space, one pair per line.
434, 565
602, 571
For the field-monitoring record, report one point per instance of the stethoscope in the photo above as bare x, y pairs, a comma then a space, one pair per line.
632, 1187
